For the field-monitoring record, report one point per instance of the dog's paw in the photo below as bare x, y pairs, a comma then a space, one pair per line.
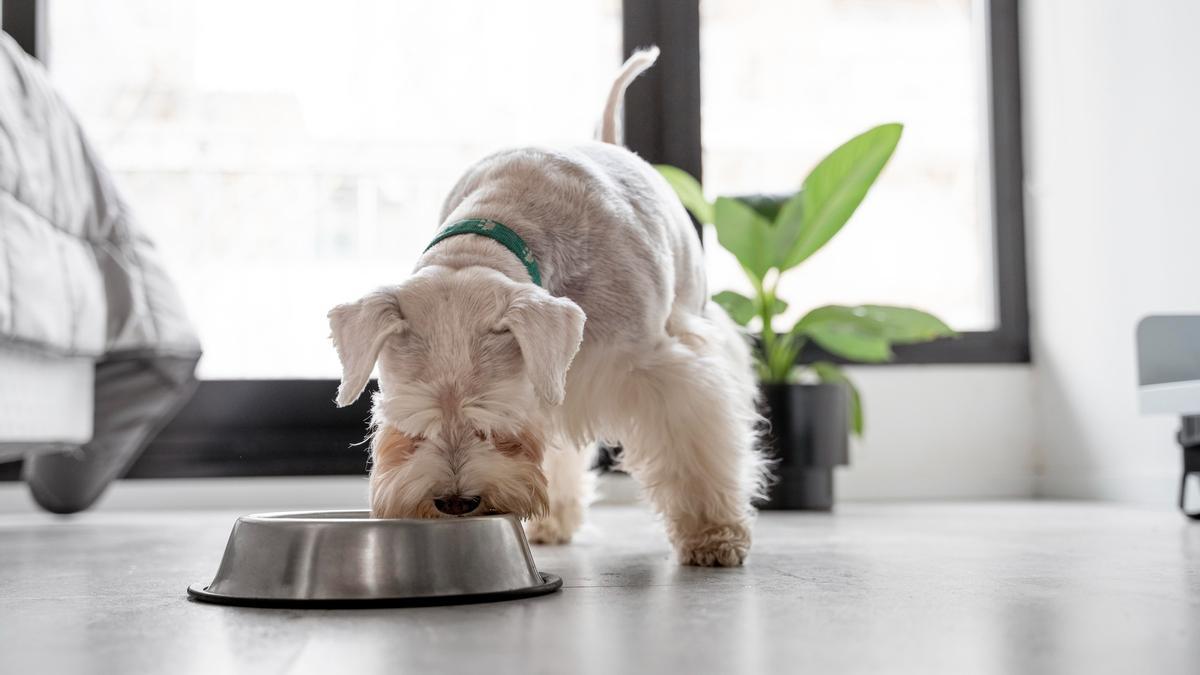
725, 546
548, 530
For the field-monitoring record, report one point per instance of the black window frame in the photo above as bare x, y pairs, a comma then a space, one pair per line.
291, 427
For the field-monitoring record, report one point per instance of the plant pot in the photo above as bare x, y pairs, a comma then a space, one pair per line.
809, 434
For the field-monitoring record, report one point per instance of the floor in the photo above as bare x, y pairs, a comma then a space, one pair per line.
936, 588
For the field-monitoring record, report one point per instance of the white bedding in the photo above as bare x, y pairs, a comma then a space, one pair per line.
96, 352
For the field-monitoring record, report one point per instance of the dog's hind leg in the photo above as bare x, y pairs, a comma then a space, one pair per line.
691, 442
570, 490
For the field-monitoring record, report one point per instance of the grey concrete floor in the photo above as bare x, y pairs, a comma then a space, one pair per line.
956, 588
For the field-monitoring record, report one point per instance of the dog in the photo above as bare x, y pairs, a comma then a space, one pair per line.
563, 302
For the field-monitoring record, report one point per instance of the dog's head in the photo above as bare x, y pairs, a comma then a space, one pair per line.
469, 362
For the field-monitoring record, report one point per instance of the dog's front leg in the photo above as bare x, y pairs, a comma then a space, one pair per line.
570, 489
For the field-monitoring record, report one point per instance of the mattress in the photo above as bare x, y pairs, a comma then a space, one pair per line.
45, 402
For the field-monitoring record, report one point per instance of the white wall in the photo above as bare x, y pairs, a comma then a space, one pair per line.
963, 431
1111, 100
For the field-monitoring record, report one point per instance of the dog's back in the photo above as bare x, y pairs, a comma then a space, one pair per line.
609, 232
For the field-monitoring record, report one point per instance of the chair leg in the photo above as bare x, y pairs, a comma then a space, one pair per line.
1189, 440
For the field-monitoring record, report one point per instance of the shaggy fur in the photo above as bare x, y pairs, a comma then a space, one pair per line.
491, 386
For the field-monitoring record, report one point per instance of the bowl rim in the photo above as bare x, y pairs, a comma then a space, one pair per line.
550, 583
341, 516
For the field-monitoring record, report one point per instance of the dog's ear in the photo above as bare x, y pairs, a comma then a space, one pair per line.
549, 331
359, 330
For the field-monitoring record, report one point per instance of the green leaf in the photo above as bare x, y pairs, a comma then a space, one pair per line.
789, 223
851, 343
743, 233
846, 332
689, 191
827, 372
782, 212
767, 206
835, 188
739, 308
742, 309
905, 325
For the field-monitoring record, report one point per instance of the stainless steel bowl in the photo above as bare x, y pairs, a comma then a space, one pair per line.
348, 559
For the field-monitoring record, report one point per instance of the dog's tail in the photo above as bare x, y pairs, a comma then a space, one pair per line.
614, 108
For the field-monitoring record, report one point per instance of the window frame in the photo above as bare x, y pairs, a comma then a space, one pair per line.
291, 427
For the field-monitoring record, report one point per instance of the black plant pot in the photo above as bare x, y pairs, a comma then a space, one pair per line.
809, 434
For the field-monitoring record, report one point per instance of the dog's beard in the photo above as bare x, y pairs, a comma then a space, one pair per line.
407, 473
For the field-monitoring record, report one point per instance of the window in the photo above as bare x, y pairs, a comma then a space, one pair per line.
784, 82
288, 156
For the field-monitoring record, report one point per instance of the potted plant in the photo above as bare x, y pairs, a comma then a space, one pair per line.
812, 407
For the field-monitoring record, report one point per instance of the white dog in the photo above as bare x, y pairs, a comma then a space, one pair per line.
575, 310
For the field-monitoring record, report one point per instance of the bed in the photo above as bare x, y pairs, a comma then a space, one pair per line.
96, 351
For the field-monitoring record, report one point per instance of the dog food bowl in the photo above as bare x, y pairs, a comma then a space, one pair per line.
348, 559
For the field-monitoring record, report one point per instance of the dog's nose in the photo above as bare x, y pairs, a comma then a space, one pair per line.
456, 505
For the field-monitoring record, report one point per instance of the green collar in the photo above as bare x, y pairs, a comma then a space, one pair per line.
497, 231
